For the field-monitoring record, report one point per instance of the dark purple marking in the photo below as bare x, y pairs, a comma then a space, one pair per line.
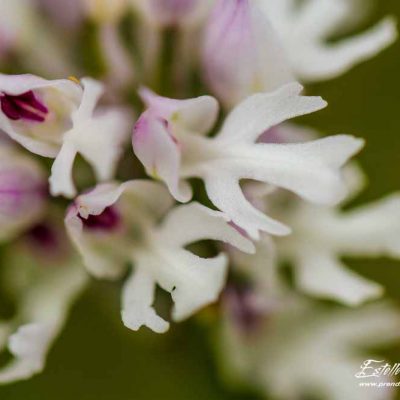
108, 220
23, 106
44, 236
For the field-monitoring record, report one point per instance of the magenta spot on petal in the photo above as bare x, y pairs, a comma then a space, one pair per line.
108, 220
167, 127
24, 106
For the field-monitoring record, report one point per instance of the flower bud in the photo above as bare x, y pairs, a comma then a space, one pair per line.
22, 192
241, 54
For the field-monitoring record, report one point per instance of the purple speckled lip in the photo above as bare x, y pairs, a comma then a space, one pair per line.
108, 220
23, 106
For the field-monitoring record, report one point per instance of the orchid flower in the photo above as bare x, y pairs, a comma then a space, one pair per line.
56, 119
318, 244
169, 140
313, 346
242, 54
23, 192
115, 224
43, 278
304, 31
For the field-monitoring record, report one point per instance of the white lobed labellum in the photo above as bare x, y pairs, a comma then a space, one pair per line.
312, 170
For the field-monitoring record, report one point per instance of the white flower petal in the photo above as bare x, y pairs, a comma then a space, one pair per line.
197, 115
137, 302
226, 194
99, 138
149, 195
323, 235
311, 170
330, 61
29, 345
160, 154
195, 222
98, 261
103, 142
92, 91
193, 282
60, 180
44, 308
322, 275
96, 258
156, 135
374, 229
355, 180
208, 279
18, 84
33, 145
305, 31
313, 20
260, 112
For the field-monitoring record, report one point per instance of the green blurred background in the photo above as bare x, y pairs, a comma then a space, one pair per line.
97, 358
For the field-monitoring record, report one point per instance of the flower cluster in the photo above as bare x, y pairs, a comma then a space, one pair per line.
265, 191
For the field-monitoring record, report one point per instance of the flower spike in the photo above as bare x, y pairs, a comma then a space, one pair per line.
157, 251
